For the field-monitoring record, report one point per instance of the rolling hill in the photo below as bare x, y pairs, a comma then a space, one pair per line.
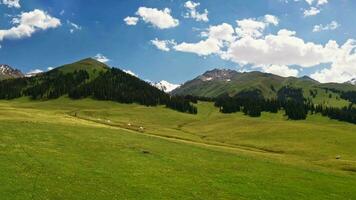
86, 149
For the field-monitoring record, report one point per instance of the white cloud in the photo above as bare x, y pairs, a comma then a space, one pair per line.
222, 35
131, 21
222, 32
33, 72
163, 45
28, 23
254, 28
281, 49
311, 12
322, 2
101, 58
250, 27
194, 14
50, 68
161, 19
217, 37
74, 27
281, 70
11, 3
318, 2
202, 48
343, 67
271, 19
130, 72
331, 26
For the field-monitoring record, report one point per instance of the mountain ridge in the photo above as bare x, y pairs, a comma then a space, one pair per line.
7, 72
221, 81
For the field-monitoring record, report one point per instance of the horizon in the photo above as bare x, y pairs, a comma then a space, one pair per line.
178, 41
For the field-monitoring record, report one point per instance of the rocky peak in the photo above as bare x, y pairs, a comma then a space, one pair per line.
218, 74
8, 72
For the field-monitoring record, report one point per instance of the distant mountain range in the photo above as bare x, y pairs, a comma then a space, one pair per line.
221, 81
210, 84
7, 72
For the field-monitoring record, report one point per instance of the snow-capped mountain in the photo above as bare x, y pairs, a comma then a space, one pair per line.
7, 72
165, 86
352, 81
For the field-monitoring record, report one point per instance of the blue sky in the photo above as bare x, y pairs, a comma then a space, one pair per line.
294, 37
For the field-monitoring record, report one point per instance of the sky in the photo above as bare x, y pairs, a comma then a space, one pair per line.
177, 40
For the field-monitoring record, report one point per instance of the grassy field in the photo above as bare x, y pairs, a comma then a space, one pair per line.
87, 149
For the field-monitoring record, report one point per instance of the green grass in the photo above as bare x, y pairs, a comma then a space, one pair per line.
85, 149
92, 66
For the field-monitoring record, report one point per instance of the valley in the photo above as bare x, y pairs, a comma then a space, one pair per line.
99, 149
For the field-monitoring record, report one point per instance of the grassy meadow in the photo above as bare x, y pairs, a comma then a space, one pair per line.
86, 149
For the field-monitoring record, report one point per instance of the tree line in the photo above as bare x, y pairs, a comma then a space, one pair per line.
291, 100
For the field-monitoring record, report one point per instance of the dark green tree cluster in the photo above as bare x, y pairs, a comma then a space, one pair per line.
350, 96
250, 102
55, 84
181, 104
116, 85
293, 102
12, 88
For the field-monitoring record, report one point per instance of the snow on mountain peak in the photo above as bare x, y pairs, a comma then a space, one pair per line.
165, 86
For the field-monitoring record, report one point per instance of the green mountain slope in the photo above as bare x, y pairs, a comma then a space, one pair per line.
90, 65
93, 79
217, 82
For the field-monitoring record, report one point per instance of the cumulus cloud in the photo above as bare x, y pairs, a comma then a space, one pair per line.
281, 70
131, 21
311, 12
202, 48
282, 53
193, 13
343, 65
28, 23
331, 26
271, 19
314, 7
221, 36
217, 37
317, 2
253, 27
161, 19
281, 49
11, 3
163, 45
101, 58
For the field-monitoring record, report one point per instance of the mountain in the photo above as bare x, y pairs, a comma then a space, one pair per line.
165, 86
7, 72
221, 81
352, 81
89, 78
90, 65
